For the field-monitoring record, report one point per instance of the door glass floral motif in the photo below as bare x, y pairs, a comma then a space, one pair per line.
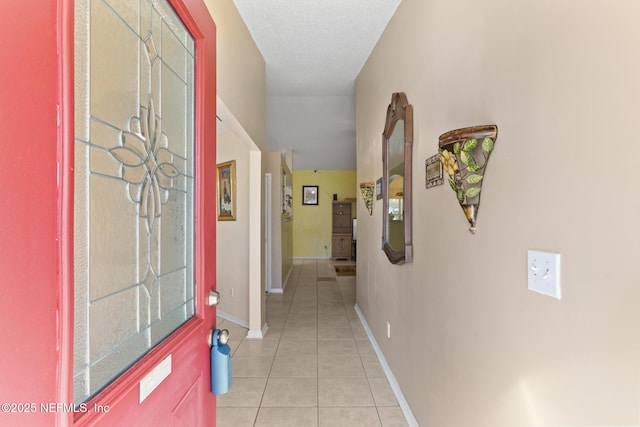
134, 184
147, 163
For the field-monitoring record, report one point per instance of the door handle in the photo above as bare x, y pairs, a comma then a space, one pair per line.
220, 361
214, 298
221, 336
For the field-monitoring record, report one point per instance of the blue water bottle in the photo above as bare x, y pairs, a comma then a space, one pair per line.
220, 362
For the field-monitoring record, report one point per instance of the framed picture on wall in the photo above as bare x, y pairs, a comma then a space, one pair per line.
227, 191
378, 188
309, 194
433, 174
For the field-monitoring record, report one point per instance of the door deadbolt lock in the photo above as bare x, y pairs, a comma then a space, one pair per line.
214, 298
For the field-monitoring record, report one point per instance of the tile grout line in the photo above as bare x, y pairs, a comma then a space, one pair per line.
310, 271
276, 352
373, 398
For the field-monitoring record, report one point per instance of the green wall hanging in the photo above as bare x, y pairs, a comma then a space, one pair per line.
464, 154
366, 191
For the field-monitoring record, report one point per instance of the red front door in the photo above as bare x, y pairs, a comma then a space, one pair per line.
37, 237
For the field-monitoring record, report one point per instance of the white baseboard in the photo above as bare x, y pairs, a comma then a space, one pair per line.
258, 335
311, 257
251, 334
276, 291
404, 406
231, 318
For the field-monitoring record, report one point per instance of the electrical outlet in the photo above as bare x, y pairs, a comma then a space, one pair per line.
544, 273
388, 330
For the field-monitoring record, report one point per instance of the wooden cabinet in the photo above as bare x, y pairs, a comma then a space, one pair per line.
341, 231
341, 246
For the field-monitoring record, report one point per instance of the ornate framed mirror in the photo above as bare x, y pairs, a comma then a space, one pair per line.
397, 141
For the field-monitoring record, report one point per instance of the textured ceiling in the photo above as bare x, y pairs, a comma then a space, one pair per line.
314, 50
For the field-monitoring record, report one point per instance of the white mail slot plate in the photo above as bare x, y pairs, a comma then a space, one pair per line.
154, 378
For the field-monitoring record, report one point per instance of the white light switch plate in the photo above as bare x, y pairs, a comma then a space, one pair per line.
544, 272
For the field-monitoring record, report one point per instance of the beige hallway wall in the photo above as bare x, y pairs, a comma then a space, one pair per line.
241, 70
232, 237
281, 227
241, 89
470, 345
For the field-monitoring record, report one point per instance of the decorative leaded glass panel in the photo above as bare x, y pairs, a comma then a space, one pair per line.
134, 184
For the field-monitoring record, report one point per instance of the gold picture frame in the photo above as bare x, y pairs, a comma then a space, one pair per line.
226, 180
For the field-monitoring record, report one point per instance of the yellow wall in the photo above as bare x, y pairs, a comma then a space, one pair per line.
470, 345
312, 224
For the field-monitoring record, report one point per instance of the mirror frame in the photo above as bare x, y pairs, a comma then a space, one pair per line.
399, 109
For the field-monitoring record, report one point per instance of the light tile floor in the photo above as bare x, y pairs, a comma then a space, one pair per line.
315, 367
